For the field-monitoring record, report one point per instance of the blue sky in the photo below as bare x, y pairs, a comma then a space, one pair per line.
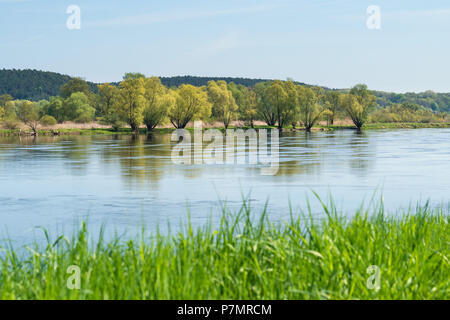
322, 42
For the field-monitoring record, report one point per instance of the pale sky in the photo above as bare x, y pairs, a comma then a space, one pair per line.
325, 42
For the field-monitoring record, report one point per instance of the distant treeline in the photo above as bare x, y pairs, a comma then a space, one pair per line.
37, 85
203, 81
438, 102
33, 85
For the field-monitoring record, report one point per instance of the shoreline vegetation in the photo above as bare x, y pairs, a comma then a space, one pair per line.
371, 255
94, 129
139, 102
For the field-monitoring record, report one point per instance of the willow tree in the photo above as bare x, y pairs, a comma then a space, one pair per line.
292, 104
333, 99
191, 104
247, 102
107, 94
311, 108
107, 97
250, 111
28, 114
156, 107
282, 96
224, 105
130, 102
266, 109
357, 103
157, 113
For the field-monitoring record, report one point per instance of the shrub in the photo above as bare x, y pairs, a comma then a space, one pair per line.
10, 124
48, 121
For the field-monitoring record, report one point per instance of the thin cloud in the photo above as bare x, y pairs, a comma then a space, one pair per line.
228, 41
144, 19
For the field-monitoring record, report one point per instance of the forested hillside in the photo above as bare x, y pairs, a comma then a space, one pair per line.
37, 85
203, 81
31, 84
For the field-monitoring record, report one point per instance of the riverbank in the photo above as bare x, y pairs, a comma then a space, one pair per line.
376, 256
95, 129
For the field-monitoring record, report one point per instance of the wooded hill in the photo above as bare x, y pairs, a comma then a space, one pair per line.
36, 85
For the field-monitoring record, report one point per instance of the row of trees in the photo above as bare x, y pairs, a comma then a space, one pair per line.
38, 85
407, 112
76, 107
278, 103
30, 113
140, 100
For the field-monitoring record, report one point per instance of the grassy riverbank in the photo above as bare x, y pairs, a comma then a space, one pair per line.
297, 259
109, 131
393, 125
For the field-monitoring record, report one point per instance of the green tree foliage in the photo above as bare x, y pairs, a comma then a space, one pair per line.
47, 120
133, 76
78, 109
203, 81
10, 110
407, 112
8, 115
4, 98
312, 106
131, 102
28, 113
157, 102
107, 97
249, 109
266, 109
75, 85
191, 104
333, 99
55, 109
357, 103
292, 107
158, 115
224, 105
36, 85
31, 84
139, 100
282, 96
247, 102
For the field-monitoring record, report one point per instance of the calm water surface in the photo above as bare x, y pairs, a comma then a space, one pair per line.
127, 182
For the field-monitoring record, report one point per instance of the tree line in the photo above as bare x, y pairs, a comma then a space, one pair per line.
139, 100
35, 85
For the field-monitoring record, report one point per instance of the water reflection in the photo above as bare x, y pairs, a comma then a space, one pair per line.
125, 178
362, 154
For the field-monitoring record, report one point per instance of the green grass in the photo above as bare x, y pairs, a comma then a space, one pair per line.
394, 125
247, 257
